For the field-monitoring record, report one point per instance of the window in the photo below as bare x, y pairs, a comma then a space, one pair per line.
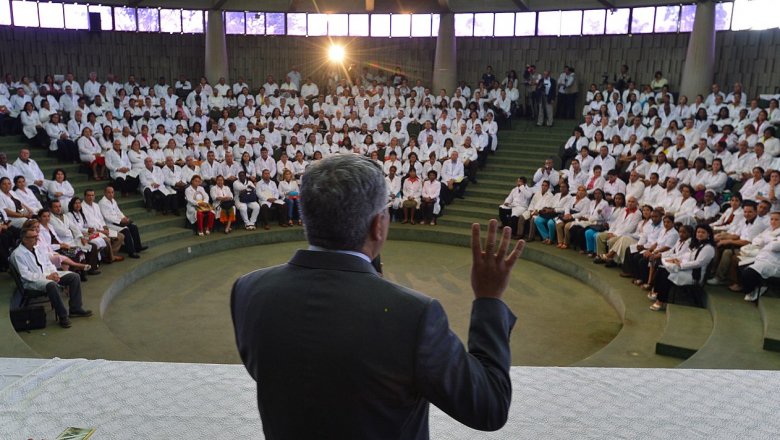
274, 23
124, 19
549, 23
687, 16
148, 19
25, 14
421, 25
400, 25
192, 21
525, 24
593, 21
667, 18
255, 23
234, 23
642, 20
106, 17
464, 25
296, 24
380, 25
723, 16
338, 25
318, 25
483, 25
5, 12
617, 21
76, 17
435, 25
51, 15
571, 22
504, 25
358, 25
754, 15
170, 20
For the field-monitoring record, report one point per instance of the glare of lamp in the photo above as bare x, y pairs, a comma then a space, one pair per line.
336, 53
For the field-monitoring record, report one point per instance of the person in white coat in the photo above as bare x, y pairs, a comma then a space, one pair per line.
31, 171
245, 196
120, 222
59, 188
91, 154
38, 273
515, 204
156, 194
199, 211
764, 264
224, 204
290, 191
689, 270
121, 169
412, 196
269, 198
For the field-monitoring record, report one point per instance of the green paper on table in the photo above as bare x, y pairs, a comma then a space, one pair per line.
76, 434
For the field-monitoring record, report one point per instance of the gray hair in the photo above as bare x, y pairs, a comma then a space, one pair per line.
340, 195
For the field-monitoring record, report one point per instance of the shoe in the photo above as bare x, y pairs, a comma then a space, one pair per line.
143, 248
200, 233
94, 272
598, 260
266, 227
134, 255
657, 308
715, 281
626, 275
81, 313
87, 268
118, 258
610, 264
652, 296
65, 322
749, 297
208, 231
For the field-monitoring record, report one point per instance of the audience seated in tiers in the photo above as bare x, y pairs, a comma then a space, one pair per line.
706, 176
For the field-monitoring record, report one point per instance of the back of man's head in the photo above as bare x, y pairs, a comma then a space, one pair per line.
340, 196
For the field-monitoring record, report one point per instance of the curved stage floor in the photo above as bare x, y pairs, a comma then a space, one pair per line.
185, 308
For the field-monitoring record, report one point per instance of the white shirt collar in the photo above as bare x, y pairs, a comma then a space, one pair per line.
353, 253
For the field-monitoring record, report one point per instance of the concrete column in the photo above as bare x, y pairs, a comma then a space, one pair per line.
216, 48
445, 69
699, 69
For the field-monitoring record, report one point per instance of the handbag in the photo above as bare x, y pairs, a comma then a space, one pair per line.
247, 196
227, 204
28, 318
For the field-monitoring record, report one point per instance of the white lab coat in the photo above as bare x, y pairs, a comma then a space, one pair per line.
193, 196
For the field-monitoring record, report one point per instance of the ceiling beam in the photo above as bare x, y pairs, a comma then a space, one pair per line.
522, 5
134, 3
608, 4
219, 4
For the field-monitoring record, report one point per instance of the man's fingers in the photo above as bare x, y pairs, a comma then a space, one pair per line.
504, 245
490, 242
476, 245
515, 254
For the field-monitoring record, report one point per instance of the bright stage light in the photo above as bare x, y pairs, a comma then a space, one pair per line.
336, 54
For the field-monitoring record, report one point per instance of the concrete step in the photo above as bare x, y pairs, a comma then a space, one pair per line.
769, 309
159, 221
686, 331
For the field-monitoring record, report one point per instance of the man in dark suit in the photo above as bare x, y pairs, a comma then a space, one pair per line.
545, 90
340, 353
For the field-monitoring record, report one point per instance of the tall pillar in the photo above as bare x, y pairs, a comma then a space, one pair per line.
699, 69
216, 47
445, 68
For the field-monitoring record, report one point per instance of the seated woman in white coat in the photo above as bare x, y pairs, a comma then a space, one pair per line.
760, 260
245, 197
224, 205
91, 154
691, 269
393, 183
412, 193
121, 170
15, 211
59, 188
429, 198
199, 211
291, 193
25, 195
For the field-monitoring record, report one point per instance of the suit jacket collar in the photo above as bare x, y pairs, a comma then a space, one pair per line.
331, 261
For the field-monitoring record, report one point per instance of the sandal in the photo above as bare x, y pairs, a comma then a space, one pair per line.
646, 286
637, 282
658, 307
652, 296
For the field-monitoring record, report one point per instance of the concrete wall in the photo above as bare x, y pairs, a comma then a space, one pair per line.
751, 57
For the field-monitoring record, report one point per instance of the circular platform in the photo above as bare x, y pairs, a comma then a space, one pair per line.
184, 309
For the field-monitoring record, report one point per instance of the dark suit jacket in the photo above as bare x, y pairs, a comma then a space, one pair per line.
340, 353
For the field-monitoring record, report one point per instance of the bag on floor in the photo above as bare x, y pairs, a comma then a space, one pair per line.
28, 318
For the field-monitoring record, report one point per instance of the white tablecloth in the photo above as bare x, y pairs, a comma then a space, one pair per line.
143, 400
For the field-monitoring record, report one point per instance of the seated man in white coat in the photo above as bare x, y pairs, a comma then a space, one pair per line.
156, 194
91, 210
515, 204
38, 273
115, 217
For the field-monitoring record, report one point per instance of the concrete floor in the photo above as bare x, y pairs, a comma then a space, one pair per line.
184, 315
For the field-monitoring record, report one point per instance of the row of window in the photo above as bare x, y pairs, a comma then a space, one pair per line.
736, 15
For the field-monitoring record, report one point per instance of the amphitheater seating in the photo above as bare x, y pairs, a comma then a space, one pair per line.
728, 334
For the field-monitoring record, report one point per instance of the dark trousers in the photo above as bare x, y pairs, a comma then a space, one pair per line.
126, 184
427, 211
662, 285
636, 264
482, 157
67, 151
750, 279
132, 238
40, 140
265, 213
566, 156
505, 215
472, 167
73, 283
8, 240
160, 201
